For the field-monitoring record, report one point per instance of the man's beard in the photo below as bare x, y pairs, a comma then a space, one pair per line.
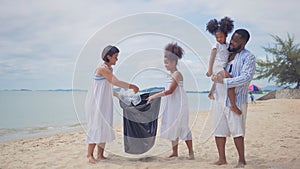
235, 49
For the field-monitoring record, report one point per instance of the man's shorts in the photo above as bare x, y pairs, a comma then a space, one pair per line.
228, 123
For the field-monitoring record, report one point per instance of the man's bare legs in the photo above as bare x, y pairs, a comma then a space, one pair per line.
239, 144
221, 141
90, 155
100, 155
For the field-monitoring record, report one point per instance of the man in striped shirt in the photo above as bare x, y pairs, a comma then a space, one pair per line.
241, 66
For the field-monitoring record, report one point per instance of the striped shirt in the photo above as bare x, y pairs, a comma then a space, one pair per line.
242, 69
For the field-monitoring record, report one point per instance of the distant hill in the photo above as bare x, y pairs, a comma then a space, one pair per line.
66, 90
151, 89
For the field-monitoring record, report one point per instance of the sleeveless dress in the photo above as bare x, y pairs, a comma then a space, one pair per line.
99, 111
175, 117
221, 57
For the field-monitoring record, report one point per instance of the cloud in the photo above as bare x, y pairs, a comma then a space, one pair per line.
44, 37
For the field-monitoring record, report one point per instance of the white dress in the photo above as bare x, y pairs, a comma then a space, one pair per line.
99, 111
175, 117
221, 58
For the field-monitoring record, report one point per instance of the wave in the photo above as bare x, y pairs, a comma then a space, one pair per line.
8, 134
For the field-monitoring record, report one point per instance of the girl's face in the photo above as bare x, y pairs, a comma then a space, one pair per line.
113, 59
221, 37
170, 64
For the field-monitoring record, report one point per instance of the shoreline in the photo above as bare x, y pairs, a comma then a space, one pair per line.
272, 141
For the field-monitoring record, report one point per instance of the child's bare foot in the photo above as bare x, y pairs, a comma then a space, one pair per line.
235, 109
173, 155
101, 157
191, 156
221, 162
208, 73
211, 96
92, 160
241, 164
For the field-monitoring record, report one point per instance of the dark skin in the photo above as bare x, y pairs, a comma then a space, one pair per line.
176, 76
237, 44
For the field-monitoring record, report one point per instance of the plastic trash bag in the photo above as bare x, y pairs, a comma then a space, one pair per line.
128, 97
140, 124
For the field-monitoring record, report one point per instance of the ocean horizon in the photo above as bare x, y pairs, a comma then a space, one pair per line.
30, 113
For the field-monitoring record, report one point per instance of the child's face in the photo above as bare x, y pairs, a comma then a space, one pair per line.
169, 64
221, 37
113, 59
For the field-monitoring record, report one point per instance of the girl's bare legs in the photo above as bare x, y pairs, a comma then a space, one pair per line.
189, 144
211, 92
100, 155
233, 107
90, 155
174, 148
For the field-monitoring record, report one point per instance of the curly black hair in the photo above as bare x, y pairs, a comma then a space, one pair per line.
173, 51
225, 25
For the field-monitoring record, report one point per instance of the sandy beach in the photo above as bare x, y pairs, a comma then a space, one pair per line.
272, 141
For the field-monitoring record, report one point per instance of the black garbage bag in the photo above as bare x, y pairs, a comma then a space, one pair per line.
140, 124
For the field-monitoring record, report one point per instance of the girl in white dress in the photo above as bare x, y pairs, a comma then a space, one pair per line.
219, 56
175, 117
99, 104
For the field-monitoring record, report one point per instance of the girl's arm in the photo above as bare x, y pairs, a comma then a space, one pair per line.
111, 78
211, 62
177, 77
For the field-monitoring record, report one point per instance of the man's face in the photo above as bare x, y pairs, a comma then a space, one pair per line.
236, 43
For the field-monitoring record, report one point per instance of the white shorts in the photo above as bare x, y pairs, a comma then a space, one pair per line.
228, 123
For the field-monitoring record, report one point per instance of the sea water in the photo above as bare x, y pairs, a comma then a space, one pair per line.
26, 114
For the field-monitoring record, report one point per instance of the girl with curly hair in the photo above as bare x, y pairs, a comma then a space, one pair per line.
219, 56
175, 117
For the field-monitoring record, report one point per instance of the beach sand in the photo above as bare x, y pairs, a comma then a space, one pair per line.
272, 141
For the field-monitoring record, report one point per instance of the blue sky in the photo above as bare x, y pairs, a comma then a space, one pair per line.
41, 42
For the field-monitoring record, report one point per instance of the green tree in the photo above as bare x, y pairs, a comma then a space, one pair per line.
284, 66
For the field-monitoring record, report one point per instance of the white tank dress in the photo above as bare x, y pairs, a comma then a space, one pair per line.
221, 58
99, 111
175, 117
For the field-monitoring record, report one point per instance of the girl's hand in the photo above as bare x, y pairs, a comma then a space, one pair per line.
149, 99
134, 87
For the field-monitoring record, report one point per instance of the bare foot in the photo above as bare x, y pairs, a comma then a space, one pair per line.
221, 162
92, 160
211, 96
241, 164
101, 157
173, 155
191, 156
208, 73
236, 110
